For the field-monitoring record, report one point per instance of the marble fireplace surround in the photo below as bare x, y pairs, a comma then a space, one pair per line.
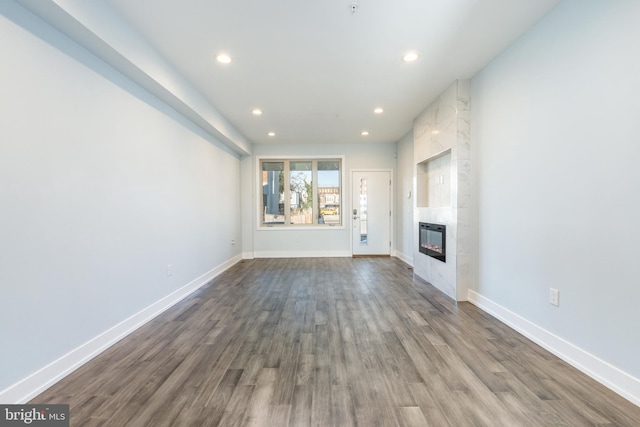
442, 152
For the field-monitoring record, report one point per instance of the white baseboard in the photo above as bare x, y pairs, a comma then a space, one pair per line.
29, 387
404, 258
247, 255
302, 254
611, 377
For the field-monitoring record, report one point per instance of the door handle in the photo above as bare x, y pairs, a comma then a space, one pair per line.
356, 217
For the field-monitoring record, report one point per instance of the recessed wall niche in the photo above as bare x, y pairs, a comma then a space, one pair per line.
433, 181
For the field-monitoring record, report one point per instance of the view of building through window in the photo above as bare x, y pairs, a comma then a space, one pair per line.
329, 192
273, 192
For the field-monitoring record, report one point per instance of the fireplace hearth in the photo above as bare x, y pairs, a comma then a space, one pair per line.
433, 240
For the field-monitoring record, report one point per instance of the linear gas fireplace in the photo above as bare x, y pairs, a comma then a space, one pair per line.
433, 240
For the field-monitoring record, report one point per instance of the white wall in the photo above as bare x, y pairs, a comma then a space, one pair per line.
404, 203
101, 186
555, 122
326, 242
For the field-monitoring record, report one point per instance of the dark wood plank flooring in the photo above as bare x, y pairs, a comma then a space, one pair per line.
330, 342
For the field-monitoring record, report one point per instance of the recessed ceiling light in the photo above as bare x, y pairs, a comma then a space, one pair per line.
256, 112
223, 58
364, 133
378, 110
271, 134
410, 57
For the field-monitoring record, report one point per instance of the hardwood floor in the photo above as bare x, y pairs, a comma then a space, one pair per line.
330, 342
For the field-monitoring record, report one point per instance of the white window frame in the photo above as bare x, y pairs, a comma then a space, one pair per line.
299, 227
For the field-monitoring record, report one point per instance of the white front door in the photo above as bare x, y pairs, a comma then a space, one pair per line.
371, 212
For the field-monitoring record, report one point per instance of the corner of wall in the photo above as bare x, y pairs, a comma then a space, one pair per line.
29, 387
611, 377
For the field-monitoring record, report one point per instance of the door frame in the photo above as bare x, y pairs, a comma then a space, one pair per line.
392, 217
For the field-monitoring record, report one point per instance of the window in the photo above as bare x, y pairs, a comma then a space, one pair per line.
329, 192
273, 192
299, 192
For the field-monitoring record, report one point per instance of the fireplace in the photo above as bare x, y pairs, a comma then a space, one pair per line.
433, 240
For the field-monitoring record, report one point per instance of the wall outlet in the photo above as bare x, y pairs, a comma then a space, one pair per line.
554, 297
233, 242
169, 270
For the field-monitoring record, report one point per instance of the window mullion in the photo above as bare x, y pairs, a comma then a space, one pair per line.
315, 209
287, 195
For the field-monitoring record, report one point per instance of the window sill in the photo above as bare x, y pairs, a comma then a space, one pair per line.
299, 227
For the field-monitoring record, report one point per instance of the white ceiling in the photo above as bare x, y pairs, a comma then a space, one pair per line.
316, 69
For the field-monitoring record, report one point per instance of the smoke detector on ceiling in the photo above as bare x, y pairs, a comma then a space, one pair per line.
354, 7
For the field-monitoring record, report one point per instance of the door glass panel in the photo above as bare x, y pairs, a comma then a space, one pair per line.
363, 211
273, 192
329, 192
300, 192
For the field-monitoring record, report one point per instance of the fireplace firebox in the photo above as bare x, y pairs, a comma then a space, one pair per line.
433, 240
